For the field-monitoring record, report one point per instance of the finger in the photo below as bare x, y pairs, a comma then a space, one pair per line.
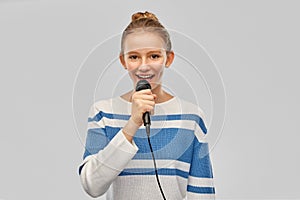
140, 104
148, 102
143, 95
146, 91
147, 97
148, 108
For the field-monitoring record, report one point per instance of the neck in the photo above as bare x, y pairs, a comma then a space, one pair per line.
159, 92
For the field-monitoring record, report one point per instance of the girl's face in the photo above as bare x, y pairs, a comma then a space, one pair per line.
145, 57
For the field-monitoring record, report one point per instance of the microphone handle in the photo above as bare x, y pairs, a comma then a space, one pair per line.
147, 122
146, 118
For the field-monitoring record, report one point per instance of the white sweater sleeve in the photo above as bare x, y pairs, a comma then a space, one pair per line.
99, 170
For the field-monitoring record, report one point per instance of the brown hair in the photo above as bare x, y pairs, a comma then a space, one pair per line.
147, 22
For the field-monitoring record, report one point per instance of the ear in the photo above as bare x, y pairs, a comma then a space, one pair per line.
122, 60
170, 58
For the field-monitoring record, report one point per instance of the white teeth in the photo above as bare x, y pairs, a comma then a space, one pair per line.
145, 77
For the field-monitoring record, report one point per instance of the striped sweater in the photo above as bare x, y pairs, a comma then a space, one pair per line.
124, 170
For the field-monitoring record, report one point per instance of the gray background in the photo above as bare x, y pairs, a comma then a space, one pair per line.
255, 45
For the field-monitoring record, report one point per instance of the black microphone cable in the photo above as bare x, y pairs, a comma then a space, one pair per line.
153, 158
142, 85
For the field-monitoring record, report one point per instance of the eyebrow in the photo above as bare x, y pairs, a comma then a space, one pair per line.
135, 52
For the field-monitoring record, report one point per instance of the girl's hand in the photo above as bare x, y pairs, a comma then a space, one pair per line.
142, 101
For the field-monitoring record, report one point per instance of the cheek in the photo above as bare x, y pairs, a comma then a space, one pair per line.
132, 69
159, 68
132, 65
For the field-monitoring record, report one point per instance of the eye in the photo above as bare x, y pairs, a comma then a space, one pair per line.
133, 57
155, 56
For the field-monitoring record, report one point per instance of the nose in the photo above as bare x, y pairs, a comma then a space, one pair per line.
144, 68
144, 65
144, 60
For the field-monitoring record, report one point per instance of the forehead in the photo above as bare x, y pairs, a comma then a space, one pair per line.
143, 41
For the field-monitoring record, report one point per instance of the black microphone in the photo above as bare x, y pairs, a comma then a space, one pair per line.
142, 85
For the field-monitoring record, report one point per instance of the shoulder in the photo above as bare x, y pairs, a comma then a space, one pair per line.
103, 105
188, 107
196, 111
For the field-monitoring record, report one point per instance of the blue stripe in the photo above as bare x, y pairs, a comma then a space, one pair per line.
150, 171
102, 114
201, 190
201, 165
191, 117
167, 143
95, 141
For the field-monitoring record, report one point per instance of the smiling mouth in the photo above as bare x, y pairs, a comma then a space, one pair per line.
145, 76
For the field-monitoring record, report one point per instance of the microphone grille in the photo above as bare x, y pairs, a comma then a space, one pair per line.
142, 85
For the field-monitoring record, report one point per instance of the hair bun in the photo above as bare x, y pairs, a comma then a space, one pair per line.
140, 15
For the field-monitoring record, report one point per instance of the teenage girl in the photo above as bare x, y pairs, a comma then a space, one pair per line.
118, 159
